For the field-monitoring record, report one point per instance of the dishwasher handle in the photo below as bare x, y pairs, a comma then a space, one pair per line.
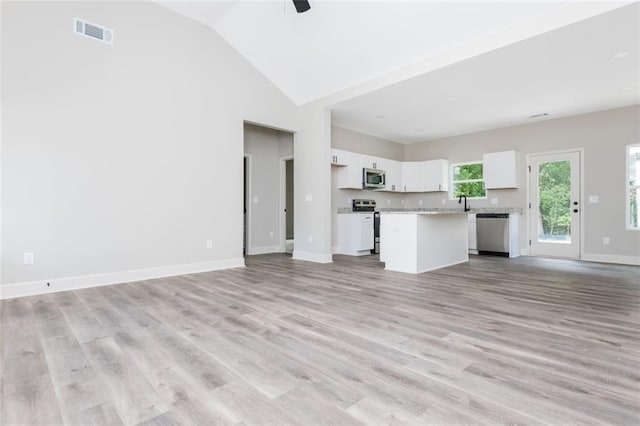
492, 216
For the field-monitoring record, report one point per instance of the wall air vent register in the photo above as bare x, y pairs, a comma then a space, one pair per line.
93, 31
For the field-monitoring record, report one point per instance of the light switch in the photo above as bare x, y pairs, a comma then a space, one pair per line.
594, 199
255, 200
420, 202
308, 198
494, 200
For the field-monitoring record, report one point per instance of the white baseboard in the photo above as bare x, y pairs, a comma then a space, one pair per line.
611, 258
265, 250
312, 257
31, 288
335, 250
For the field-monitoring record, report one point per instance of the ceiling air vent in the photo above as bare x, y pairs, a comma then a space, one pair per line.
94, 31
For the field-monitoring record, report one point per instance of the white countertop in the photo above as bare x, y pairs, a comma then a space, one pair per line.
426, 210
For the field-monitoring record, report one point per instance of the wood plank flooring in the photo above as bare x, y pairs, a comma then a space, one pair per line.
492, 341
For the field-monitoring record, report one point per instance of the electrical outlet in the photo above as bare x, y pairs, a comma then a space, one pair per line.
209, 244
270, 234
443, 201
402, 202
494, 200
310, 238
419, 202
28, 258
255, 200
388, 202
605, 241
308, 198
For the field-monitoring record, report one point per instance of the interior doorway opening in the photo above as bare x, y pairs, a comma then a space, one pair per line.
245, 203
286, 205
268, 190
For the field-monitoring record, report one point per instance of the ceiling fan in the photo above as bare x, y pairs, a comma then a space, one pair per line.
301, 5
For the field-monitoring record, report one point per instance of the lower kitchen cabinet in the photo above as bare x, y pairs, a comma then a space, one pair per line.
355, 233
473, 239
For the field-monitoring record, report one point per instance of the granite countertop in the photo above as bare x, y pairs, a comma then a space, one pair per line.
431, 210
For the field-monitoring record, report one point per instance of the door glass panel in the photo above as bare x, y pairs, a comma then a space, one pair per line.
554, 195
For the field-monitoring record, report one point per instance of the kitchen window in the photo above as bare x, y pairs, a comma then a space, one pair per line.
466, 179
633, 185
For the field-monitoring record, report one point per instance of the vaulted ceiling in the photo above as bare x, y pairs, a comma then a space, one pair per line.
553, 57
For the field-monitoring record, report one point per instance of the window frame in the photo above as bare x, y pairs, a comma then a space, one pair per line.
628, 187
452, 182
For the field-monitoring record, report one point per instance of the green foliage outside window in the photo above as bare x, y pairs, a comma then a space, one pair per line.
554, 185
467, 180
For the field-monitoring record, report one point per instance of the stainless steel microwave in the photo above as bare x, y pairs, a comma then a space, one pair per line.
373, 179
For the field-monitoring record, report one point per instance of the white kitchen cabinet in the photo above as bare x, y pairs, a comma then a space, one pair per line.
425, 176
355, 233
411, 176
500, 170
350, 173
393, 176
340, 158
435, 175
473, 239
370, 162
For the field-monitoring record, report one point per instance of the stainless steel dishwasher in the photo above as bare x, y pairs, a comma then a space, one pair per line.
492, 231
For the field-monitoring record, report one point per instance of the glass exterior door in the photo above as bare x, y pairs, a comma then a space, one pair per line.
554, 217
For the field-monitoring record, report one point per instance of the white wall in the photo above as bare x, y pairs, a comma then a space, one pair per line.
312, 188
124, 157
265, 148
603, 135
352, 141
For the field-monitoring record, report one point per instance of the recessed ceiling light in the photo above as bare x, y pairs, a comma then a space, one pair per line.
380, 116
542, 114
619, 55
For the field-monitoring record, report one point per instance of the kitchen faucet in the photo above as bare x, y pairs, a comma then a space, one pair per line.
466, 209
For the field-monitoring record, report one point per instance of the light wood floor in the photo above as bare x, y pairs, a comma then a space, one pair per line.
494, 341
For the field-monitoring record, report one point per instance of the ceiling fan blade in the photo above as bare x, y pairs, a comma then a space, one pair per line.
301, 5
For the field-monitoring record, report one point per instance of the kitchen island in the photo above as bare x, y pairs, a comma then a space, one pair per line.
423, 240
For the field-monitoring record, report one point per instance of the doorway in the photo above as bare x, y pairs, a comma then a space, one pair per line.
245, 200
555, 204
286, 204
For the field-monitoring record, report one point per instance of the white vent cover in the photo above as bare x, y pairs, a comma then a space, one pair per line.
92, 30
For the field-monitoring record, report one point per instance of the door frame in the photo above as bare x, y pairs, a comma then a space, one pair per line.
283, 203
580, 152
248, 199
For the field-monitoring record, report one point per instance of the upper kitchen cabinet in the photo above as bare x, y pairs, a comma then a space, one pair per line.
411, 176
436, 175
350, 170
425, 176
393, 175
340, 158
500, 170
369, 162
